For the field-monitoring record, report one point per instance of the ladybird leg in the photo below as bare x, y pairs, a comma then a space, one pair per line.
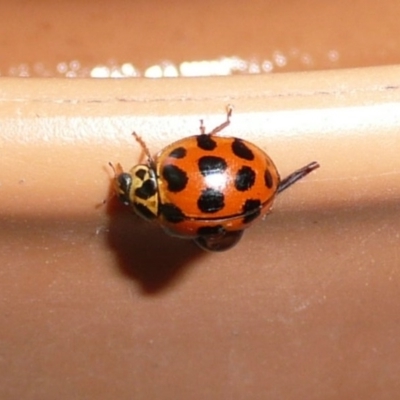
117, 169
144, 148
297, 175
221, 242
202, 128
219, 128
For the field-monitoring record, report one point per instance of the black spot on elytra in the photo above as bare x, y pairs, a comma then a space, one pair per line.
211, 230
147, 190
211, 201
175, 177
179, 152
172, 213
241, 150
251, 205
269, 181
245, 178
143, 211
141, 173
251, 217
251, 209
212, 165
206, 142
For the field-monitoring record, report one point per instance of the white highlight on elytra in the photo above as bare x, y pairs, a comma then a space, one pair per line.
216, 180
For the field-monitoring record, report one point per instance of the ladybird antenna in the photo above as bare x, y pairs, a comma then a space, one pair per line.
143, 146
297, 175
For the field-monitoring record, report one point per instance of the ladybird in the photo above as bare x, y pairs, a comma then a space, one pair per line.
206, 187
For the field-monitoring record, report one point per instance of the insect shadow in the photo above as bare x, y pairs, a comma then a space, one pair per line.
145, 252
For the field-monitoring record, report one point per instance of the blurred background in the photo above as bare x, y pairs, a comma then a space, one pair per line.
195, 38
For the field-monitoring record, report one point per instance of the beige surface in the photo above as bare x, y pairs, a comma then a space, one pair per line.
98, 304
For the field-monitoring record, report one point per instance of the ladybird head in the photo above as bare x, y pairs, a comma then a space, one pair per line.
138, 188
121, 183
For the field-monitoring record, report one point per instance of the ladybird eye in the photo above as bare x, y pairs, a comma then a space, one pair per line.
123, 184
